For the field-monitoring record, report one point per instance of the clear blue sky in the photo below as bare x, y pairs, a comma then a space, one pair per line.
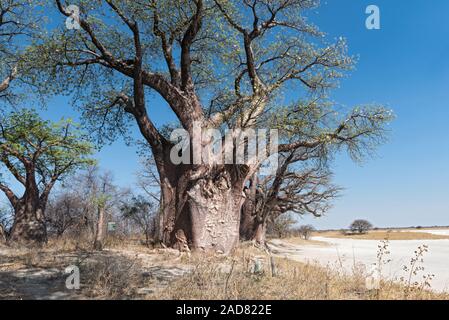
405, 66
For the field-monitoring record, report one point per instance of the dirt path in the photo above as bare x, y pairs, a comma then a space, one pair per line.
22, 278
34, 283
40, 275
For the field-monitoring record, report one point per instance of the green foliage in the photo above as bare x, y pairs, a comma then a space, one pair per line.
53, 149
358, 131
59, 65
19, 28
291, 56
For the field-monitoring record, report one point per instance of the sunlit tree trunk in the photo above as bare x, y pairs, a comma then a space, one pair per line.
215, 206
101, 228
207, 209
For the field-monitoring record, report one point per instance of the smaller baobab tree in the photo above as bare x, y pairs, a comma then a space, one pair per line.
302, 183
37, 153
298, 187
100, 201
360, 226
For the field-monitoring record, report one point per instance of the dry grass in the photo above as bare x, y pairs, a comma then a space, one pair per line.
111, 278
115, 273
234, 278
139, 273
383, 235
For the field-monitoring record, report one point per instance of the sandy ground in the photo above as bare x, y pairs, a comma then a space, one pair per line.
44, 279
442, 232
344, 254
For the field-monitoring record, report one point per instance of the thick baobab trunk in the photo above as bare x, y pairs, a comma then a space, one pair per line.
100, 230
248, 219
29, 224
215, 206
206, 207
169, 176
201, 201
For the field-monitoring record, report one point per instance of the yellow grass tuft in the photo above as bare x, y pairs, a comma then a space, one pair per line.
281, 279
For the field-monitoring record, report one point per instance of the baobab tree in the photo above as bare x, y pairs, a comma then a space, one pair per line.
216, 64
302, 183
37, 154
298, 189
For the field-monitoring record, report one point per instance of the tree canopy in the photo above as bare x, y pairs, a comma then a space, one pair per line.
222, 64
19, 27
38, 153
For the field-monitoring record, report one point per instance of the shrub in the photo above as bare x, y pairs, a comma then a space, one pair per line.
305, 231
360, 226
